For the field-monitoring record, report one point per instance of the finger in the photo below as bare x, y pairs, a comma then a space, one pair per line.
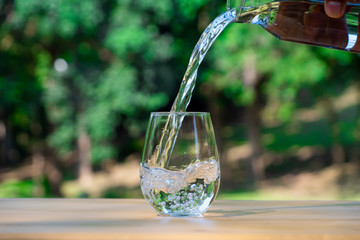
335, 8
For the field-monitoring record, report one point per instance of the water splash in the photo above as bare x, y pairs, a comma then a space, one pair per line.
159, 179
188, 192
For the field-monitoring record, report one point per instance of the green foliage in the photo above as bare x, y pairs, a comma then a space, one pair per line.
15, 188
189, 7
116, 65
58, 17
261, 195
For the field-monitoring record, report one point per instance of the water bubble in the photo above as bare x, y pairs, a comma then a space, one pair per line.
183, 189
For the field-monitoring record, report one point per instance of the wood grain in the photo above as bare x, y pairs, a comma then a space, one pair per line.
134, 219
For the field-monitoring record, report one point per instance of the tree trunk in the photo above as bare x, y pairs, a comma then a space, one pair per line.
2, 143
38, 167
44, 164
7, 154
253, 119
217, 119
253, 122
337, 150
53, 173
356, 134
84, 158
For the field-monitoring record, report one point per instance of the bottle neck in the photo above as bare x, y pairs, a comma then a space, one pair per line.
236, 4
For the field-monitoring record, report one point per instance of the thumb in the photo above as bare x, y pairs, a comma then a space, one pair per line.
335, 8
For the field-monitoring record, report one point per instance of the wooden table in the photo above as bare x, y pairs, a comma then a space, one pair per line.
134, 219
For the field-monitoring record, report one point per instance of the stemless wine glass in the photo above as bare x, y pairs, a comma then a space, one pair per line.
180, 171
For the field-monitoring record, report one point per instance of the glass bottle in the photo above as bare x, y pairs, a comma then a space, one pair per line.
303, 22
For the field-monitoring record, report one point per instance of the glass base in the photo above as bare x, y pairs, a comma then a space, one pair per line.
198, 215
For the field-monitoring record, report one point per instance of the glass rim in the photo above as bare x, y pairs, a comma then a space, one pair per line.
180, 113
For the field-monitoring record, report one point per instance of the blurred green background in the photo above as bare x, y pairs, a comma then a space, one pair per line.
78, 80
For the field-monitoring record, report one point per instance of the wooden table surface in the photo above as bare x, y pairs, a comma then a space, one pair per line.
134, 219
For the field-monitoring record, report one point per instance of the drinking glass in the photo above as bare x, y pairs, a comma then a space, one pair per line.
180, 171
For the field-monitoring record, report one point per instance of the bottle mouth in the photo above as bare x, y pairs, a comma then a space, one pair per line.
180, 113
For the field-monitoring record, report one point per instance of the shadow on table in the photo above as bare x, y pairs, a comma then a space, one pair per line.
237, 213
245, 212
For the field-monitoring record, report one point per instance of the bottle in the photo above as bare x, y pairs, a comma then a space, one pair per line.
304, 22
